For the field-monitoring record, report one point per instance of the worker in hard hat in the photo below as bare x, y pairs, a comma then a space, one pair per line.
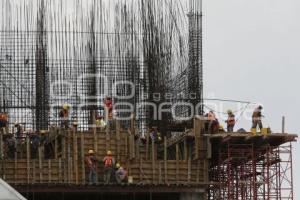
213, 124
256, 118
221, 128
230, 121
92, 164
100, 122
3, 120
64, 116
120, 174
109, 163
19, 130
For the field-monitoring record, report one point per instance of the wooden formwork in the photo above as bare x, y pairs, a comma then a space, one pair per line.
144, 163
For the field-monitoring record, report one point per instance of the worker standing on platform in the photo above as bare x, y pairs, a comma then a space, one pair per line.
256, 118
109, 163
92, 164
64, 116
108, 105
121, 174
3, 121
213, 125
19, 130
230, 121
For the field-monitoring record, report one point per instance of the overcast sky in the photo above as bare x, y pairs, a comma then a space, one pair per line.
252, 52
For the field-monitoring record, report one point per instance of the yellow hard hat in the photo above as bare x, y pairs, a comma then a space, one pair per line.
42, 132
118, 165
159, 138
221, 127
91, 151
109, 153
66, 106
229, 111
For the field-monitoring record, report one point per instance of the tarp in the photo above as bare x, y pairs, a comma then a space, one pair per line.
9, 193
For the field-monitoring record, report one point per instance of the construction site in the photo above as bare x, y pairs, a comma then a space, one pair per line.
145, 57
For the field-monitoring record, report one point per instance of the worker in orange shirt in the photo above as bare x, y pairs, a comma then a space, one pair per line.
109, 163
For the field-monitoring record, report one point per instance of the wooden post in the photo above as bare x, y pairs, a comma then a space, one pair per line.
82, 158
75, 155
177, 163
118, 138
147, 146
153, 161
69, 157
185, 150
189, 169
165, 160
2, 153
33, 172
95, 133
141, 170
16, 161
55, 147
283, 124
49, 171
28, 158
40, 164
132, 124
59, 171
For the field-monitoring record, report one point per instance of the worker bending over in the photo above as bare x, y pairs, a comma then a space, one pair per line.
109, 163
64, 116
230, 121
92, 164
256, 118
121, 174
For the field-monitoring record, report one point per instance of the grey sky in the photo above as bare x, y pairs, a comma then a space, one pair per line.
251, 52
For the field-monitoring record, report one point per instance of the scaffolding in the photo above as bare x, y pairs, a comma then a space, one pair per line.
248, 172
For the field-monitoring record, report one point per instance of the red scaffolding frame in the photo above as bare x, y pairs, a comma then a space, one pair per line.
252, 171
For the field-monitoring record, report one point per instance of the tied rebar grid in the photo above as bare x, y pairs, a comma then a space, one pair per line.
56, 52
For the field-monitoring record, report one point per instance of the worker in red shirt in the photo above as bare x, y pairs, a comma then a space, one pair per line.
92, 164
109, 163
213, 125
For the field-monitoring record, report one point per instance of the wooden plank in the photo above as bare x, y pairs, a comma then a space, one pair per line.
33, 172
16, 161
49, 171
141, 170
2, 154
28, 159
147, 146
185, 149
118, 138
55, 147
177, 162
82, 158
165, 159
189, 172
59, 171
75, 155
159, 173
153, 160
40, 164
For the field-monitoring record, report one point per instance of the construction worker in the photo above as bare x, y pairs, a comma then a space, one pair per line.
256, 118
19, 129
230, 121
109, 163
64, 116
121, 173
3, 120
100, 122
92, 164
213, 125
108, 104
